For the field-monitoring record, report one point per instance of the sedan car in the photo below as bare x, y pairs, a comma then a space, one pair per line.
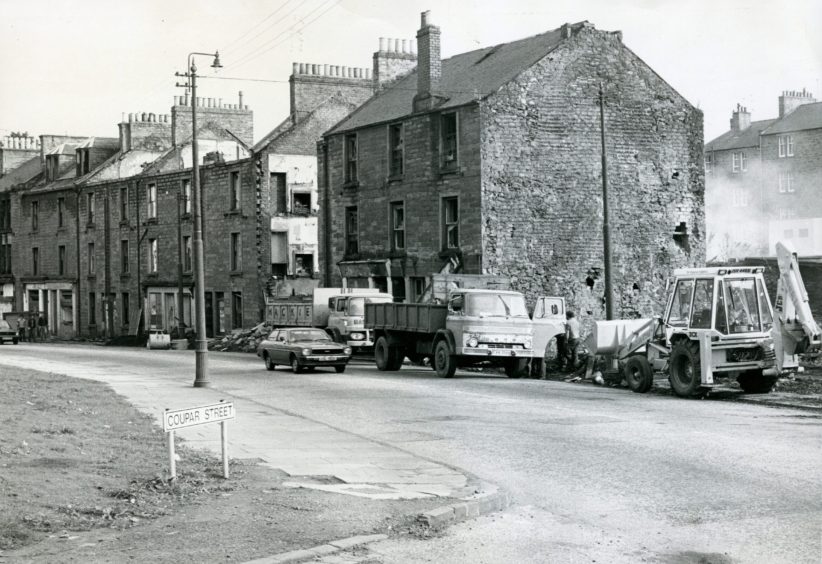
7, 333
301, 348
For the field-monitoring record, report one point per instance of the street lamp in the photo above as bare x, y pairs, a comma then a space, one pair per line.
201, 344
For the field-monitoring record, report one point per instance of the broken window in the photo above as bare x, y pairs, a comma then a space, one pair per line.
397, 226
91, 208
450, 223
352, 246
681, 303
234, 189
351, 157
186, 195
396, 149
35, 261
301, 203
277, 183
303, 264
448, 141
279, 254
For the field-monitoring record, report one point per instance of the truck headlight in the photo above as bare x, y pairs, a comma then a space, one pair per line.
357, 336
347, 350
306, 352
528, 342
472, 342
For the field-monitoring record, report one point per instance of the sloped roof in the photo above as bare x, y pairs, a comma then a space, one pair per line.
748, 137
465, 78
26, 171
806, 116
63, 149
122, 165
100, 143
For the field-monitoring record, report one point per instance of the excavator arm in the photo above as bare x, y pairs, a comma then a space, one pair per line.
795, 331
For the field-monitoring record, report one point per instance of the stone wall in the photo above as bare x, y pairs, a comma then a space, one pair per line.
542, 187
236, 118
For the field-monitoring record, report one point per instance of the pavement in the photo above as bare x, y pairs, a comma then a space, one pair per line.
315, 455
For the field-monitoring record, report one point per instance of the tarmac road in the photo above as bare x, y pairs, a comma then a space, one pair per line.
596, 474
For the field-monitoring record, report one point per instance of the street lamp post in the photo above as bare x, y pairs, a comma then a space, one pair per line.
201, 344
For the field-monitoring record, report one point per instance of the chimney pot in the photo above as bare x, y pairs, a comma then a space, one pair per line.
325, 70
241, 99
382, 44
425, 19
404, 46
295, 68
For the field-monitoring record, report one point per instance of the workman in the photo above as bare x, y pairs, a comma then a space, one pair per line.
571, 339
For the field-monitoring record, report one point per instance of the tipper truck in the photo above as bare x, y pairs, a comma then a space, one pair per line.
339, 311
459, 326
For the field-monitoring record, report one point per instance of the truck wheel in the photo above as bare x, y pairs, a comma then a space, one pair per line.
339, 369
638, 374
382, 354
15, 340
515, 367
684, 369
753, 382
268, 364
395, 357
444, 362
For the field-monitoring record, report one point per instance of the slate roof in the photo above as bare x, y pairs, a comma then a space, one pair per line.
100, 142
63, 149
20, 174
806, 116
749, 137
465, 78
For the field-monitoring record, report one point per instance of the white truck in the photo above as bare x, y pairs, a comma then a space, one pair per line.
339, 311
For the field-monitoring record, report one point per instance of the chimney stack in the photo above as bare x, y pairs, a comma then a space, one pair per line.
740, 119
429, 65
792, 99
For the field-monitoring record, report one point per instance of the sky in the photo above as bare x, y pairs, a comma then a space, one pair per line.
80, 67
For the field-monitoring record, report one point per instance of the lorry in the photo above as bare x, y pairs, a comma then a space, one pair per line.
717, 321
338, 311
467, 320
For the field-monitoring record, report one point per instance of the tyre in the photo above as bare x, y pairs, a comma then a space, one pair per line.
444, 362
382, 354
395, 357
295, 365
335, 335
684, 369
638, 373
753, 382
15, 340
516, 367
269, 364
340, 369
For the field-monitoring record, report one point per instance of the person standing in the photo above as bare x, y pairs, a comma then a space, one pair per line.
571, 339
32, 325
42, 327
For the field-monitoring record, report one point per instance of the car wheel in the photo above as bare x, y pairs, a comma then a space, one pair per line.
14, 340
340, 369
269, 364
295, 365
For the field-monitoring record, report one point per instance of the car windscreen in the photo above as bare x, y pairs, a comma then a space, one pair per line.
495, 305
742, 302
308, 335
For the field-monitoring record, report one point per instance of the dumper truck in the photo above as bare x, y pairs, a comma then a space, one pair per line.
339, 311
459, 326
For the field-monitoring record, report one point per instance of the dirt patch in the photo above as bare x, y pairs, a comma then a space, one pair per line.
83, 478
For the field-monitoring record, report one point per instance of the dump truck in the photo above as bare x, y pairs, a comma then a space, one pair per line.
718, 321
339, 311
467, 321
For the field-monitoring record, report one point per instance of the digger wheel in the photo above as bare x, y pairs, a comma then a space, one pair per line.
638, 374
684, 369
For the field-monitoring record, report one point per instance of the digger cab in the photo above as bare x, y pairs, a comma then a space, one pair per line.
729, 303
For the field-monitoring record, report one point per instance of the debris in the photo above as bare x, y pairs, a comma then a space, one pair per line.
241, 340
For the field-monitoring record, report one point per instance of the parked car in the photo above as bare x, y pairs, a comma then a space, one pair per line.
7, 333
301, 348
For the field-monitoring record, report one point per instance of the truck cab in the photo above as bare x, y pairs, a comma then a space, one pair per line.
490, 324
346, 316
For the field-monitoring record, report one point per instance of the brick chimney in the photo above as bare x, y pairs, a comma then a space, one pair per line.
740, 119
792, 99
429, 64
396, 58
315, 85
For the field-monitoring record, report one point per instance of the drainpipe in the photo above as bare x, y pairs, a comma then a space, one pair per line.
326, 218
79, 313
107, 265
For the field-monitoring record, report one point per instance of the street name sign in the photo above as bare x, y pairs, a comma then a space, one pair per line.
179, 418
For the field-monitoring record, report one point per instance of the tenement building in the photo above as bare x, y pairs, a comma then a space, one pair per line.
762, 179
490, 162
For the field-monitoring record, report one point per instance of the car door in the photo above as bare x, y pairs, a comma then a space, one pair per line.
549, 321
281, 347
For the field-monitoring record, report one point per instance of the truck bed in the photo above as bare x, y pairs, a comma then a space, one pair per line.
415, 318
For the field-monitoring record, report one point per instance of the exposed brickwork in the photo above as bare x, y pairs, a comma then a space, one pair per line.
310, 91
239, 121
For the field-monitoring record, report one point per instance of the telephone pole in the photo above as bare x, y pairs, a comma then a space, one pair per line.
606, 227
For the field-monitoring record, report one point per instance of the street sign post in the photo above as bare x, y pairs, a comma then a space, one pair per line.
174, 419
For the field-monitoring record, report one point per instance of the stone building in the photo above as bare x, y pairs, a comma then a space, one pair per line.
762, 179
490, 160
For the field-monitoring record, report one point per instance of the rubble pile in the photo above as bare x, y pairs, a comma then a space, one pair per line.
241, 340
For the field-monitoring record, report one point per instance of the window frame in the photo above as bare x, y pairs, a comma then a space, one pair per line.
35, 261
396, 150
61, 204
393, 208
91, 207
351, 157
234, 186
235, 252
151, 200
124, 258
92, 263
448, 227
35, 215
449, 165
185, 191
352, 230
153, 256
785, 146
187, 254
785, 183
124, 203
61, 260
